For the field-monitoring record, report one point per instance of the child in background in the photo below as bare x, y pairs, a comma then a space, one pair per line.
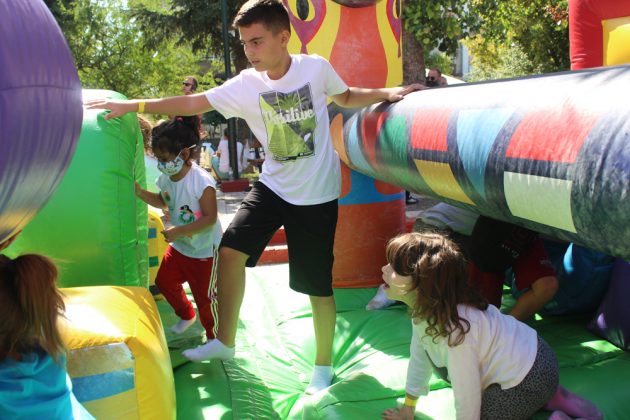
33, 379
221, 159
496, 365
189, 192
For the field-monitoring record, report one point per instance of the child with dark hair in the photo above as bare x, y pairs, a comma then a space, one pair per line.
283, 99
33, 379
189, 192
496, 365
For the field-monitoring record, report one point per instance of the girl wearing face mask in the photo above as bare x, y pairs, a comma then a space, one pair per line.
189, 192
497, 366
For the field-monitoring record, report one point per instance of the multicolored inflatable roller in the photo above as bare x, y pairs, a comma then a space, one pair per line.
548, 152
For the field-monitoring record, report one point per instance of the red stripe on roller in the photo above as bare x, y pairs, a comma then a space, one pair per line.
550, 135
429, 129
370, 128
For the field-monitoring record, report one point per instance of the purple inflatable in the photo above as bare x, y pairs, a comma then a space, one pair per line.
612, 319
40, 110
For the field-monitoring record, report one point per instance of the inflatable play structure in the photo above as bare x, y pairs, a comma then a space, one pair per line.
545, 152
73, 198
118, 359
93, 224
548, 152
599, 32
40, 112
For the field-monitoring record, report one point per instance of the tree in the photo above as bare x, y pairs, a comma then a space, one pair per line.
430, 24
500, 62
196, 23
110, 51
535, 30
505, 38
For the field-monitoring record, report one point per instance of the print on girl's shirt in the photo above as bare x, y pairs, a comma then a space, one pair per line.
186, 215
290, 121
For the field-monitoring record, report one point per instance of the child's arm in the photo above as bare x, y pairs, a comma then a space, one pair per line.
208, 204
151, 198
175, 105
418, 375
359, 97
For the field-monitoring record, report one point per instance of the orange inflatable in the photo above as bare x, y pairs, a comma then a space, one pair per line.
370, 211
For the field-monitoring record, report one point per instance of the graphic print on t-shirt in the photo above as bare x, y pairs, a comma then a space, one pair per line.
186, 215
290, 121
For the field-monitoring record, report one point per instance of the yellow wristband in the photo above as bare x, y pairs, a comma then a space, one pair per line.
410, 402
140, 107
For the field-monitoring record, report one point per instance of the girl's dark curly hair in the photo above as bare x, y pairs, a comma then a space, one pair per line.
175, 135
438, 272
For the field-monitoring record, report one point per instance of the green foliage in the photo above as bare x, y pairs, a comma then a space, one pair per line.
439, 24
505, 38
539, 28
440, 60
197, 23
502, 62
111, 51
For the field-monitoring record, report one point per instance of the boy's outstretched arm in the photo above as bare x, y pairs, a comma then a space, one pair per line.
359, 97
175, 105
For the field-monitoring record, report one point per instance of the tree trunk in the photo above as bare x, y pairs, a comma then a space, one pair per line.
413, 59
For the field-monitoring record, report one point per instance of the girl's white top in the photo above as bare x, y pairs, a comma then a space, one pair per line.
182, 198
498, 349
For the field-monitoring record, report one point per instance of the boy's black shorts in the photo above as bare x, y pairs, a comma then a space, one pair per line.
310, 232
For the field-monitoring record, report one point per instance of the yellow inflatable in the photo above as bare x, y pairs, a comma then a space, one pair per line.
118, 357
157, 244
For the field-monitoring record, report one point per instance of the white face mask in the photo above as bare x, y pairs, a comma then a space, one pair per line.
172, 167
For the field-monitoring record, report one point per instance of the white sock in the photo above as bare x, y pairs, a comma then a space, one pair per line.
183, 325
212, 349
380, 300
322, 378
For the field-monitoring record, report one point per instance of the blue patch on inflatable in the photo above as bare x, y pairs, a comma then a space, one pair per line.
103, 385
477, 131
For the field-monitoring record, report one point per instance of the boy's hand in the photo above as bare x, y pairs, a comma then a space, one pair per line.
138, 189
402, 413
116, 108
397, 93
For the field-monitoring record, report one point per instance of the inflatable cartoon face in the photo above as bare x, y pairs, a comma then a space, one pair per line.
356, 3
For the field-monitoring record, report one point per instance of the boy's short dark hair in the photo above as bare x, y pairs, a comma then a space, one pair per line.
271, 13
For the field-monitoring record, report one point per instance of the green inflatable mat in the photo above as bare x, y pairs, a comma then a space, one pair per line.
275, 349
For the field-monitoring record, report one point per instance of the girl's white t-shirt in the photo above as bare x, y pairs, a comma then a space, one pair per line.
498, 349
289, 117
182, 198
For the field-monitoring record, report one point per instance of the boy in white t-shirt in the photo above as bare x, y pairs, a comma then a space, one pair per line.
283, 100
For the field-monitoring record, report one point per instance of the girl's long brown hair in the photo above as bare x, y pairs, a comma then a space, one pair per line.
30, 305
438, 271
